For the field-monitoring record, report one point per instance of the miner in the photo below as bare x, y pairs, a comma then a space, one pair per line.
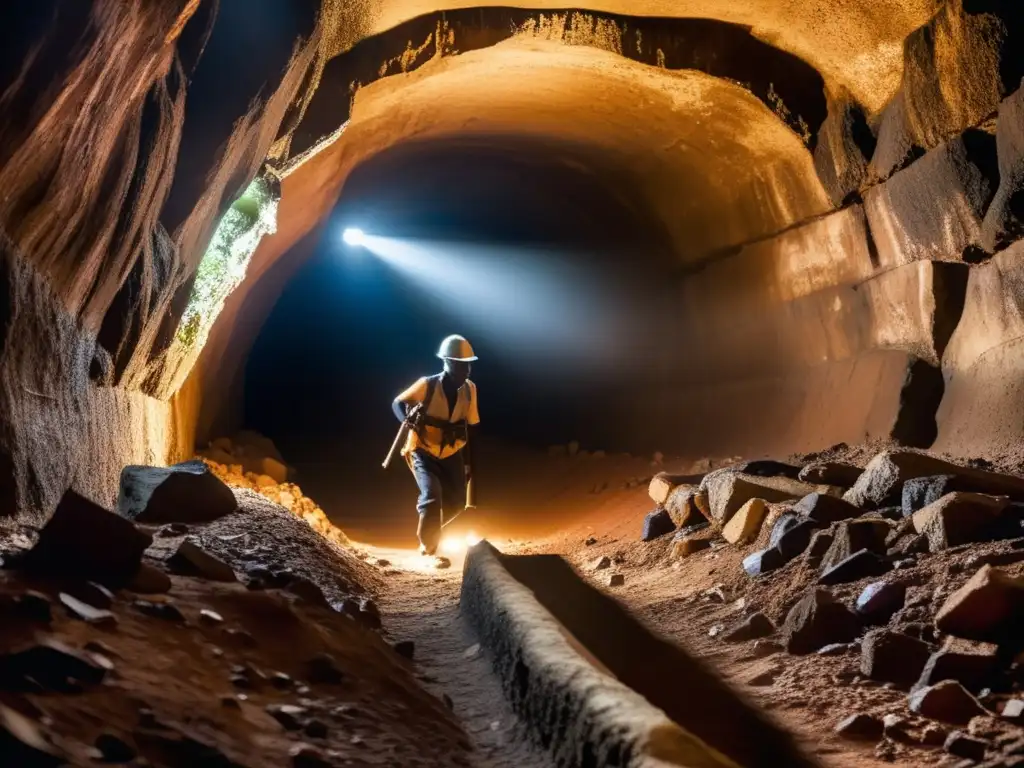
441, 412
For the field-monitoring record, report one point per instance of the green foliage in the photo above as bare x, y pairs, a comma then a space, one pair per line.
226, 260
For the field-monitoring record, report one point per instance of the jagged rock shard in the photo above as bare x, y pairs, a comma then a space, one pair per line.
958, 518
182, 493
892, 657
821, 541
84, 542
989, 608
818, 620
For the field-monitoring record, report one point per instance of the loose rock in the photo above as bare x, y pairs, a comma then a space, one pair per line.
686, 546
892, 657
166, 611
84, 542
853, 536
746, 524
288, 715
880, 601
192, 560
616, 580
969, 663
49, 665
656, 524
825, 510
829, 473
23, 744
860, 565
960, 744
602, 562
754, 627
87, 613
149, 581
818, 620
796, 539
989, 607
308, 756
765, 561
958, 518
182, 493
323, 669
860, 727
947, 702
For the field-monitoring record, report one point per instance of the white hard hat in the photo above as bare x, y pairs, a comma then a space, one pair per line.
456, 348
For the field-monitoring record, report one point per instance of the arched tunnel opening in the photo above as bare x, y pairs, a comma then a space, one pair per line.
534, 250
741, 285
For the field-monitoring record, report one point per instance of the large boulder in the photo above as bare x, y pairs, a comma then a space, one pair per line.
182, 493
989, 608
892, 657
958, 518
881, 483
1004, 220
817, 620
84, 542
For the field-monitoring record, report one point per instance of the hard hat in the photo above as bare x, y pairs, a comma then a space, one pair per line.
456, 348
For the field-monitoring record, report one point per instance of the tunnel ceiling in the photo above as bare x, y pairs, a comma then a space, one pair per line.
705, 156
855, 44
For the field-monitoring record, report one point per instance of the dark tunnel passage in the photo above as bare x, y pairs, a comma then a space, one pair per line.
536, 251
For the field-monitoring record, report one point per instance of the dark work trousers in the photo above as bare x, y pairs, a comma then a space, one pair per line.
442, 484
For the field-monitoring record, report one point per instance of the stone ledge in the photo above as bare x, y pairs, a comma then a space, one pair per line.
559, 679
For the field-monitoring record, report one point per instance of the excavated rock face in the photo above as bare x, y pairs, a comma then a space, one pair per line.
836, 190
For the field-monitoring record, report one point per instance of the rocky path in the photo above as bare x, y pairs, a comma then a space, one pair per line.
421, 604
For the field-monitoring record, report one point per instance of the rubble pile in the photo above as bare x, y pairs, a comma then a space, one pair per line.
194, 626
252, 461
911, 567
